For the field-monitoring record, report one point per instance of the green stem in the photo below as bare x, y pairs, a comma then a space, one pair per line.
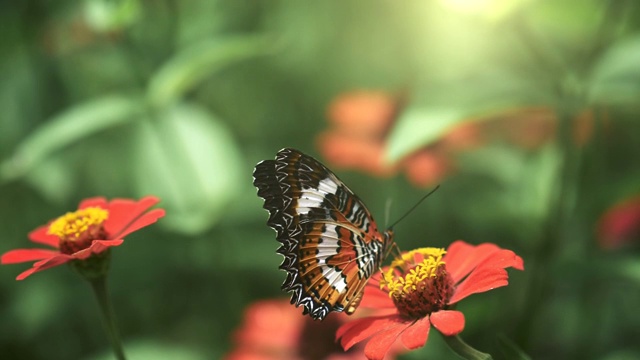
99, 285
464, 350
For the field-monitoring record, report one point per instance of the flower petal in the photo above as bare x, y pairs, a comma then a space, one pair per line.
375, 298
94, 202
22, 255
380, 343
250, 354
448, 322
489, 275
40, 236
480, 281
462, 257
416, 335
44, 265
502, 259
97, 246
127, 216
358, 330
145, 220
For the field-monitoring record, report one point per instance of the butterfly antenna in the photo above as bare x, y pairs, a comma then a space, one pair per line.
414, 206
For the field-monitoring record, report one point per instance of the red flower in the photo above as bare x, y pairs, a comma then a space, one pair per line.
96, 226
274, 330
361, 122
533, 127
421, 289
620, 224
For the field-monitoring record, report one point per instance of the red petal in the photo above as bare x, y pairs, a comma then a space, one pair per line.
375, 298
22, 255
97, 246
416, 335
249, 353
448, 322
488, 275
45, 264
502, 259
126, 216
345, 328
461, 257
358, 330
40, 236
480, 281
380, 343
94, 202
146, 220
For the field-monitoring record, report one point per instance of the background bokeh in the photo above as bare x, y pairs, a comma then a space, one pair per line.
524, 111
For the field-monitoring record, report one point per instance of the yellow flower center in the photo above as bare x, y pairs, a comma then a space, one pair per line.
76, 230
418, 282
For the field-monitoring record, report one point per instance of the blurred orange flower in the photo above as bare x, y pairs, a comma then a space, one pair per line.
360, 122
273, 329
620, 224
532, 127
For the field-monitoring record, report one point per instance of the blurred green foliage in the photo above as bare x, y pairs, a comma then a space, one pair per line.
124, 98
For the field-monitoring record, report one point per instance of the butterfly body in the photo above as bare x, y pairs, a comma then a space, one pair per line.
330, 242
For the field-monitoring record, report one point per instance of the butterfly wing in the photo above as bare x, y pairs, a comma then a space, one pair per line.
330, 242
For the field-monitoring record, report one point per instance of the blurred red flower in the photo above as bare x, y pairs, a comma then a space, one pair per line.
421, 288
96, 226
275, 330
532, 127
620, 224
361, 122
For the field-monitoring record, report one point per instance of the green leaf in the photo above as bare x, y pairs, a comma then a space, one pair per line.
190, 160
615, 78
442, 107
198, 62
420, 127
72, 125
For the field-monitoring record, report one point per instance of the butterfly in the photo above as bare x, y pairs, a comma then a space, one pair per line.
330, 242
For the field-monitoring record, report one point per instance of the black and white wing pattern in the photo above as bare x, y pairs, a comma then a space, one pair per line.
330, 242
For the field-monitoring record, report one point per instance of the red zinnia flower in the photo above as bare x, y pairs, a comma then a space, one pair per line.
421, 289
273, 329
96, 226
